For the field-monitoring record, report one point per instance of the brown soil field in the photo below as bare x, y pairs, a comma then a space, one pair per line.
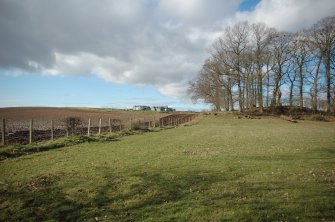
18, 121
48, 113
17, 118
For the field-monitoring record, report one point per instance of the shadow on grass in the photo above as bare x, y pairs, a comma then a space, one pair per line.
130, 198
140, 196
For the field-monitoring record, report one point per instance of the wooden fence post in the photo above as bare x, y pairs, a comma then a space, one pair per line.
89, 127
52, 130
31, 131
130, 124
3, 132
67, 129
109, 124
99, 126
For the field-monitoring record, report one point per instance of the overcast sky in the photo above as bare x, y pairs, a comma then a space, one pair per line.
147, 49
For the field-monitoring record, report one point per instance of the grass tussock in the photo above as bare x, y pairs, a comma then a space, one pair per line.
288, 118
317, 117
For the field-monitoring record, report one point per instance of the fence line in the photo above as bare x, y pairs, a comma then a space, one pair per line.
52, 130
89, 127
3, 132
19, 132
31, 130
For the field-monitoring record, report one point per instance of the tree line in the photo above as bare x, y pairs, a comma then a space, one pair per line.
256, 67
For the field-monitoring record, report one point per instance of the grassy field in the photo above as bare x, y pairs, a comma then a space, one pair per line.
220, 169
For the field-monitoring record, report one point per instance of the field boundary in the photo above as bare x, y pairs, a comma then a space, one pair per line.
28, 132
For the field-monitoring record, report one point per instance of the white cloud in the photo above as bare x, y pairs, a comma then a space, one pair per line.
289, 15
174, 90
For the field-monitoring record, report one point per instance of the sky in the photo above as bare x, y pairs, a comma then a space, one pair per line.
121, 53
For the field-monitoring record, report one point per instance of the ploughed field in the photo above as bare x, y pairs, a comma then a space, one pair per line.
42, 115
18, 121
216, 169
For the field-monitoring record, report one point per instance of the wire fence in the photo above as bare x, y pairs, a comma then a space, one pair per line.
36, 130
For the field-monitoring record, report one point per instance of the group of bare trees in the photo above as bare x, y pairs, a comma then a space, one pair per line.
253, 66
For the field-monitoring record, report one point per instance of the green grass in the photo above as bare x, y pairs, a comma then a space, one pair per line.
220, 169
16, 150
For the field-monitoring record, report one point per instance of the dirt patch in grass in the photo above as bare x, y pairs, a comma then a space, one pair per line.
41, 182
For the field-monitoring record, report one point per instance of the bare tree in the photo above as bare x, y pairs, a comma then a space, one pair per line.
248, 60
207, 86
292, 77
281, 53
324, 37
234, 44
249, 88
301, 56
314, 71
223, 79
261, 37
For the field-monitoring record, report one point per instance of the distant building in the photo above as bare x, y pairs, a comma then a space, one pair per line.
154, 108
141, 108
162, 109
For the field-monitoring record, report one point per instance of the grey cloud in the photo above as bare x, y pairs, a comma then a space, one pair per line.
33, 29
157, 42
199, 12
128, 41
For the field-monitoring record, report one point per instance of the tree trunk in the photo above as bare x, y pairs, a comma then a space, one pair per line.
247, 89
274, 97
291, 96
315, 85
301, 87
328, 81
255, 93
218, 102
268, 91
274, 101
251, 94
260, 89
240, 96
230, 94
227, 99
279, 97
231, 101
